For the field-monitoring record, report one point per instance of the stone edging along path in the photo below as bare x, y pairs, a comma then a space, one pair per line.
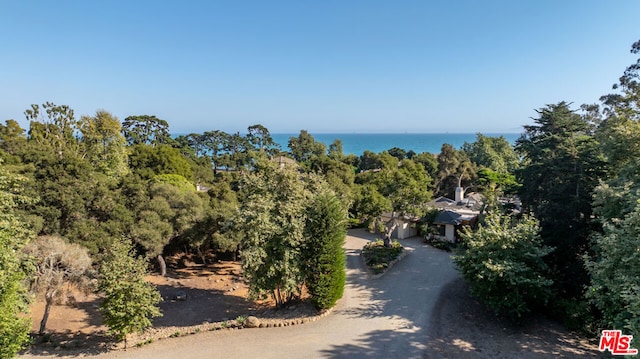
154, 334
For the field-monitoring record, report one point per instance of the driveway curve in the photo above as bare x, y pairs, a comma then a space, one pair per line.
385, 317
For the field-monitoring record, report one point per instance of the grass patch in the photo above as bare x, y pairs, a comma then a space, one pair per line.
241, 319
377, 257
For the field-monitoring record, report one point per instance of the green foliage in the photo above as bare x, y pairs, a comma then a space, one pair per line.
145, 129
614, 262
149, 161
429, 162
215, 143
261, 139
224, 209
615, 285
14, 235
370, 204
55, 129
323, 253
503, 263
304, 147
454, 169
174, 180
398, 153
272, 217
495, 153
339, 175
369, 161
378, 257
238, 153
442, 245
293, 229
494, 181
12, 141
562, 166
129, 301
167, 213
404, 184
103, 145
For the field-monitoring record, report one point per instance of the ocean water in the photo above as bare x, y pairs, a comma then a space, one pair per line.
356, 144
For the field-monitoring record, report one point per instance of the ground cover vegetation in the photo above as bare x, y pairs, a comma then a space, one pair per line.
378, 257
88, 183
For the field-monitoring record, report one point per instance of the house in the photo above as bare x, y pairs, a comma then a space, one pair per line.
284, 161
407, 226
455, 214
201, 188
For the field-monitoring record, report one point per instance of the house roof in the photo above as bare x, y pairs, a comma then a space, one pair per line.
448, 217
454, 218
472, 202
283, 160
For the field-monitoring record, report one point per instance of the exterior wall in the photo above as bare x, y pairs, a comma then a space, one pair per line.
404, 230
450, 233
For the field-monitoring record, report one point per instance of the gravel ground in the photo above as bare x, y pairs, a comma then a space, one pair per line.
419, 309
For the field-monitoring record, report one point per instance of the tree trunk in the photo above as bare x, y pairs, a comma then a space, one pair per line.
163, 265
390, 227
45, 317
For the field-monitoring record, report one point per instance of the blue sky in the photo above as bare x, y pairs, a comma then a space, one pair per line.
331, 66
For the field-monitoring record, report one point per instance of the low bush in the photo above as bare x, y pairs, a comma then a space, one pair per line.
377, 257
503, 263
442, 245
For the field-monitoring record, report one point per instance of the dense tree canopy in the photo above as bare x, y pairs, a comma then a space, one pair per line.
562, 163
495, 153
503, 262
614, 263
94, 181
454, 169
273, 222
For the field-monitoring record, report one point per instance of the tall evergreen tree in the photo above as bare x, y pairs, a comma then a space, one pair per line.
324, 256
562, 163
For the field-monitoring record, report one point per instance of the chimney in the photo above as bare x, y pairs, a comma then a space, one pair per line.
459, 194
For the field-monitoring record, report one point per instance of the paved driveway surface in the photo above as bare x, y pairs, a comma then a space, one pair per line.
377, 318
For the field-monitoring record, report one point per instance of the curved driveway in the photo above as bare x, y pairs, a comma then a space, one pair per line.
377, 318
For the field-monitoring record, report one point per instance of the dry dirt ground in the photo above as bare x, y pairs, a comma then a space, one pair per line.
215, 293
461, 327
